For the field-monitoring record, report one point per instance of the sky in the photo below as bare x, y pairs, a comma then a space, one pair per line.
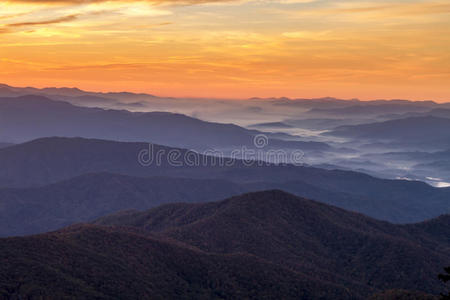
237, 49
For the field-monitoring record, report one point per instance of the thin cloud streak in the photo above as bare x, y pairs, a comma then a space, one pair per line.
156, 2
46, 22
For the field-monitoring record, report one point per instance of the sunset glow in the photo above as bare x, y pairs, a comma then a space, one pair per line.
239, 49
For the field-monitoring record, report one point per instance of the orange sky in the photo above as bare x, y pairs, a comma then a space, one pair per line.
239, 49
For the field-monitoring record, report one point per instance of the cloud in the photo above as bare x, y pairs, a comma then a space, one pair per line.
11, 16
8, 28
4, 30
181, 2
46, 22
364, 9
396, 9
312, 35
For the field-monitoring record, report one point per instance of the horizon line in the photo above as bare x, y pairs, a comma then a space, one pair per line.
227, 98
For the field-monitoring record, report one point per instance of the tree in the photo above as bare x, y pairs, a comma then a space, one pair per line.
445, 278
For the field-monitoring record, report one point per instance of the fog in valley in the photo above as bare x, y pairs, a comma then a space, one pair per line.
385, 138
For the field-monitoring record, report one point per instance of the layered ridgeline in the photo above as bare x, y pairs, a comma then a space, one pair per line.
428, 132
261, 245
46, 195
30, 117
87, 197
84, 198
4, 145
322, 106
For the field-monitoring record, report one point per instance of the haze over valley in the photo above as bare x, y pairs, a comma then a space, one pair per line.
395, 139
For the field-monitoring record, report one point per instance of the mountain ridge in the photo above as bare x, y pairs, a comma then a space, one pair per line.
29, 117
50, 160
274, 245
300, 233
412, 130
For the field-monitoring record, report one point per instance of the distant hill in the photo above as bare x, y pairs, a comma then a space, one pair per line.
323, 242
74, 95
324, 123
271, 125
439, 112
87, 197
414, 156
4, 145
428, 131
29, 117
436, 163
337, 106
70, 93
50, 160
436, 112
373, 109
